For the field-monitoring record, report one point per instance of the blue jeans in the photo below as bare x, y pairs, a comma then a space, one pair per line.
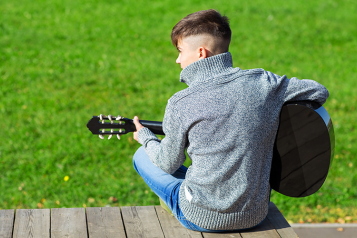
166, 186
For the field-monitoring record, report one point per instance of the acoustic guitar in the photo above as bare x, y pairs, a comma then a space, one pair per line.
303, 149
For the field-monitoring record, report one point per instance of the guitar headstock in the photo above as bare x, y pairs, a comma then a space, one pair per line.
108, 125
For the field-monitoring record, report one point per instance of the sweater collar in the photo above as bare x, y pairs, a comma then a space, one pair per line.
205, 69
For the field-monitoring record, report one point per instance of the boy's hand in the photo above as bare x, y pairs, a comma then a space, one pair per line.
138, 127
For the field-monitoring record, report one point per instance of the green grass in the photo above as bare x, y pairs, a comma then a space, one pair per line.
61, 62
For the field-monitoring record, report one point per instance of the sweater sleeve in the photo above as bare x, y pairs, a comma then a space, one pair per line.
168, 154
294, 89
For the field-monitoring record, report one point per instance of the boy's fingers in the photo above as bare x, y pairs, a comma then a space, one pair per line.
137, 123
138, 127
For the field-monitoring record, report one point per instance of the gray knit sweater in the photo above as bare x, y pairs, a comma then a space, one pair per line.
227, 120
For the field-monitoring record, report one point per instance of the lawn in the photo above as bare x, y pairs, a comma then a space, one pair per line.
61, 62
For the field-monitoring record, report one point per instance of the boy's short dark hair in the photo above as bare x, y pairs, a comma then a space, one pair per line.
209, 22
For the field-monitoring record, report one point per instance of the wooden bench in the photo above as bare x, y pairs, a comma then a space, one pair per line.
108, 222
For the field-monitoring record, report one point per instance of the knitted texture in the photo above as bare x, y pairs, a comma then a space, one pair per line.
227, 119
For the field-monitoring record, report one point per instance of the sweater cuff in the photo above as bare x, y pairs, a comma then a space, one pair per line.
145, 135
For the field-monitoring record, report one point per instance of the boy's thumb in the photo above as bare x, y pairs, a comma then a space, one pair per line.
136, 120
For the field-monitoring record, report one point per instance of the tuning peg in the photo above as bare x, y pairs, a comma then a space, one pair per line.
110, 136
101, 136
118, 136
110, 118
101, 118
118, 117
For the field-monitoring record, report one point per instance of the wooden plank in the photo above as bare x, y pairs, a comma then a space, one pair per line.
141, 222
172, 227
279, 222
264, 230
105, 222
68, 222
221, 235
6, 223
32, 223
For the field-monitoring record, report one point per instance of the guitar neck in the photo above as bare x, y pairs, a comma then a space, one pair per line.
154, 126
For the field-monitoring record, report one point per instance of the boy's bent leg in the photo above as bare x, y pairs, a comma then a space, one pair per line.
165, 185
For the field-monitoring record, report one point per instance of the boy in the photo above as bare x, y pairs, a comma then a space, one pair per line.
227, 120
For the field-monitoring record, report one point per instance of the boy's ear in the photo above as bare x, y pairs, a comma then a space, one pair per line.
202, 53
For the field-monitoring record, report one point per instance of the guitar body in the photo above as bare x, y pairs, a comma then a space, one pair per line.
303, 150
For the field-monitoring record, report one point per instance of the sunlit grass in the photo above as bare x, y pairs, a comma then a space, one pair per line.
61, 62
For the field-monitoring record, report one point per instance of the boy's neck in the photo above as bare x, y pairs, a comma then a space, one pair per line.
206, 69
